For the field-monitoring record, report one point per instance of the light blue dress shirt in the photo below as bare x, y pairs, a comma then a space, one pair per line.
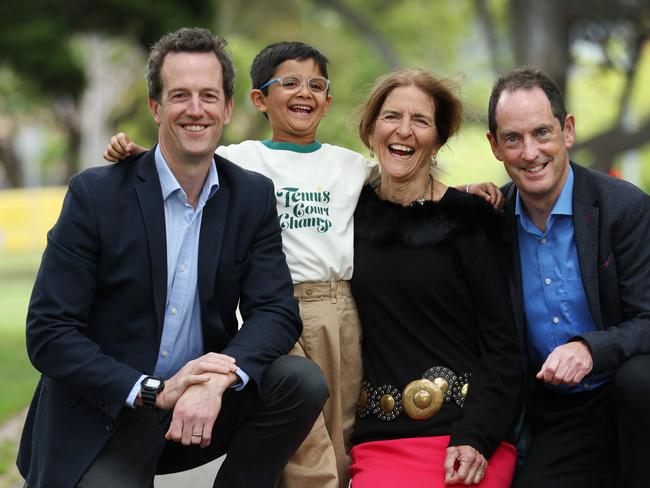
182, 338
555, 305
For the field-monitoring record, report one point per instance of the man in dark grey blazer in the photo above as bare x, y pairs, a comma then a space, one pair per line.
132, 319
581, 294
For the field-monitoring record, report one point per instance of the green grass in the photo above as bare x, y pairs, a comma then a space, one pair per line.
17, 376
7, 456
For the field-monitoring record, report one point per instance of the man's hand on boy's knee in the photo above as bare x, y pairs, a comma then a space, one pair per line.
567, 364
197, 410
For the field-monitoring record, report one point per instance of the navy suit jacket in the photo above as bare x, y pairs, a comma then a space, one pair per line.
611, 219
96, 314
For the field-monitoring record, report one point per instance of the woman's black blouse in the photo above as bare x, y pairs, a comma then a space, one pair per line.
430, 283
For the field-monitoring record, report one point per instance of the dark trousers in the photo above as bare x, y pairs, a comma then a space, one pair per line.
594, 439
257, 429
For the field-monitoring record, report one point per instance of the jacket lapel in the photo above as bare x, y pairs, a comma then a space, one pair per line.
213, 225
153, 214
516, 285
585, 223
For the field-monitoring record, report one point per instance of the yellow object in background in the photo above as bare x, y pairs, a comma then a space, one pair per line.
26, 214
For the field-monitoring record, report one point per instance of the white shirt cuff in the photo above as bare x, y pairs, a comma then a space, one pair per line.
130, 400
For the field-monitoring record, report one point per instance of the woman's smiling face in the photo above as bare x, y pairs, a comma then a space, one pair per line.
404, 135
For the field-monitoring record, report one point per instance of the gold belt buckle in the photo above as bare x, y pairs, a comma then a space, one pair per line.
422, 399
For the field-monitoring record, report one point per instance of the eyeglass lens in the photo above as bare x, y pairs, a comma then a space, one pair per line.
315, 84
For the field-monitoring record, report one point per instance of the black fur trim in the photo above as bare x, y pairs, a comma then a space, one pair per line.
426, 224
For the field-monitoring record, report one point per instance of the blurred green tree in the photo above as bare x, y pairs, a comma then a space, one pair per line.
37, 43
598, 50
548, 34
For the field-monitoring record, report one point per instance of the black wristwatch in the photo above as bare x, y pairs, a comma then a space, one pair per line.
150, 387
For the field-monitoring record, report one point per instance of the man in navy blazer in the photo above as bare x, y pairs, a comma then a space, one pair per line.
580, 282
132, 318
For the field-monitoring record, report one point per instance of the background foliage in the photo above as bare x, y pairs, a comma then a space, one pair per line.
74, 69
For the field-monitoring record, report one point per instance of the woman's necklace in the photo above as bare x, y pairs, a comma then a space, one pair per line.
427, 194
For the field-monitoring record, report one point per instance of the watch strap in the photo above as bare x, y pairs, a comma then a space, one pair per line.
149, 394
148, 398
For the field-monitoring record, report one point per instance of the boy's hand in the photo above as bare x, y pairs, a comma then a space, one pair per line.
121, 147
487, 191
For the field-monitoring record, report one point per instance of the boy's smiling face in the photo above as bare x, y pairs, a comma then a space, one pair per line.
294, 115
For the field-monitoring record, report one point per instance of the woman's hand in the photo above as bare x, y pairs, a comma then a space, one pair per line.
488, 191
465, 465
121, 147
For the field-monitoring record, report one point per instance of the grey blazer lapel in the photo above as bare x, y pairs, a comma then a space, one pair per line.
153, 215
585, 224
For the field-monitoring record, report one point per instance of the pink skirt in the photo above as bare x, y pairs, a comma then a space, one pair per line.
420, 461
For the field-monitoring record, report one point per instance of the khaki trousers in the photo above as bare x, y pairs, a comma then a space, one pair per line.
331, 338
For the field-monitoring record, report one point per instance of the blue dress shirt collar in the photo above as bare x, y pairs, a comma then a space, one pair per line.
563, 206
169, 184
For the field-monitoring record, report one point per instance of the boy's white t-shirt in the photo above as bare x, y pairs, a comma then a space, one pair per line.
317, 187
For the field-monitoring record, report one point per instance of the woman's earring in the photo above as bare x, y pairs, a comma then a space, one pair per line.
433, 162
372, 154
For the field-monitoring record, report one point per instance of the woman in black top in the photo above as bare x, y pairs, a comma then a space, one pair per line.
440, 352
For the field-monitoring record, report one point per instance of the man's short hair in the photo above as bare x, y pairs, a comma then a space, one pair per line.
526, 78
273, 55
189, 40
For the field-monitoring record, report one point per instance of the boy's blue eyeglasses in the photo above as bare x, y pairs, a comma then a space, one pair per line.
315, 84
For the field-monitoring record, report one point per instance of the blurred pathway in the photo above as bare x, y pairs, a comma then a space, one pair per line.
201, 477
9, 437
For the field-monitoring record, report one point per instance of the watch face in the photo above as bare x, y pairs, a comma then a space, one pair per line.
152, 383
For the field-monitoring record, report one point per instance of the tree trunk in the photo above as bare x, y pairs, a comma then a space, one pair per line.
540, 31
111, 67
366, 30
10, 163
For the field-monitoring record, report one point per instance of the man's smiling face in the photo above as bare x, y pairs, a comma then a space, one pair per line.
192, 110
532, 144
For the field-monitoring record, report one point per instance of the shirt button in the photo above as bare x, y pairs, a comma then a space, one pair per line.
543, 240
108, 427
586, 386
164, 354
556, 320
174, 311
548, 281
183, 268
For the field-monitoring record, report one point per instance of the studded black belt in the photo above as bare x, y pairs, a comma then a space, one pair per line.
421, 399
